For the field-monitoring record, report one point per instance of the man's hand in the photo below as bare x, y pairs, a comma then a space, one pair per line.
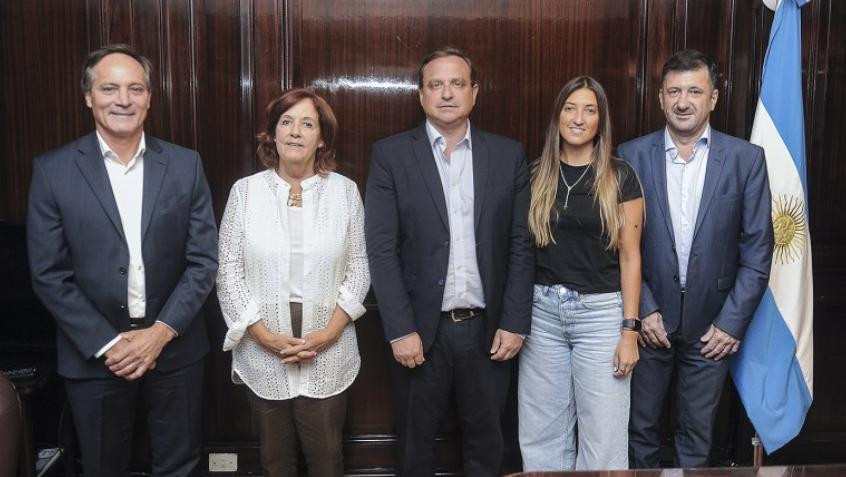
652, 332
718, 344
506, 345
408, 351
137, 351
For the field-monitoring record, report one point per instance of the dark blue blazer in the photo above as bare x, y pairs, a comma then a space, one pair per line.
408, 240
79, 257
729, 262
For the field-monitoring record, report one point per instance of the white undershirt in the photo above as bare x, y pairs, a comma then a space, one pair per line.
295, 241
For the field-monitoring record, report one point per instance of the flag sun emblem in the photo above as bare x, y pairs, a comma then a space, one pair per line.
789, 228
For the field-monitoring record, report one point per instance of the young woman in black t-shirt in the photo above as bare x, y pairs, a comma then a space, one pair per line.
586, 217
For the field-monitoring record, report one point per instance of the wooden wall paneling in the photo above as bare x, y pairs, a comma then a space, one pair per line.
41, 46
117, 21
746, 57
178, 72
659, 44
224, 133
270, 30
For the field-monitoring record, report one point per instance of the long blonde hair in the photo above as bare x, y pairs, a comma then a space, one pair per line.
605, 189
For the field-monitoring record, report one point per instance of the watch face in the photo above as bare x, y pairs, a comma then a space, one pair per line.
633, 325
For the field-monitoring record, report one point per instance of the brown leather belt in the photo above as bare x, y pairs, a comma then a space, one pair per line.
463, 314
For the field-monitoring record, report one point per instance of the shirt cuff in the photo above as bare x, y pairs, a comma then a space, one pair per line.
175, 334
108, 346
238, 327
402, 337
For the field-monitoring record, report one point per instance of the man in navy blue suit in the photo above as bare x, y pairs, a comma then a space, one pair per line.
122, 246
452, 265
707, 247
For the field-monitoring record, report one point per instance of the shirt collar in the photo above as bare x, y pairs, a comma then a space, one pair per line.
109, 154
305, 184
435, 136
704, 139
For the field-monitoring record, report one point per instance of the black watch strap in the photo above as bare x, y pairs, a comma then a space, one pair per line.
631, 324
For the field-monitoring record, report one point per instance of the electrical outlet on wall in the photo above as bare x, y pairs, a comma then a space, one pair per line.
223, 462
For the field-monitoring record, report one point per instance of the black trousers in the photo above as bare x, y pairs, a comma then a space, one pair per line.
699, 384
104, 414
458, 366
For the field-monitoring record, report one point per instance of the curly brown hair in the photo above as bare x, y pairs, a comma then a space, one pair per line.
325, 156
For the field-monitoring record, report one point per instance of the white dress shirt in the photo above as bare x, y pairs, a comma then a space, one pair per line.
127, 181
253, 280
685, 181
463, 287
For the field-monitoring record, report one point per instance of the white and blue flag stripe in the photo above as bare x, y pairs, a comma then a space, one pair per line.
773, 371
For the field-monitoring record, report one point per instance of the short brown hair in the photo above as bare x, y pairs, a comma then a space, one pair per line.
95, 56
325, 156
441, 53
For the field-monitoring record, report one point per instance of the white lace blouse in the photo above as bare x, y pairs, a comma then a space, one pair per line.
252, 283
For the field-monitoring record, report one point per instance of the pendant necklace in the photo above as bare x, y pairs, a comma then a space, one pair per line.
568, 186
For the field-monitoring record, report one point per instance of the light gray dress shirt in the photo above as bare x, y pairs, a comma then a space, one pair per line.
463, 287
685, 181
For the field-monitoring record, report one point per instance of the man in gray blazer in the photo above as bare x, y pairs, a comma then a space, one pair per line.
122, 246
452, 265
707, 246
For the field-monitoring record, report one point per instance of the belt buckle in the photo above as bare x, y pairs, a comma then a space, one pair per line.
460, 316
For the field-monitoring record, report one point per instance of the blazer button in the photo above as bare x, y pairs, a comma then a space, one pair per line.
675, 278
122, 270
446, 243
123, 307
441, 282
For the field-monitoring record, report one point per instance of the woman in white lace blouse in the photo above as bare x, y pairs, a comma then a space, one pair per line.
293, 275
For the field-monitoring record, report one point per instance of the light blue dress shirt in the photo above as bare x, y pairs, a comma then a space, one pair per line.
463, 287
685, 181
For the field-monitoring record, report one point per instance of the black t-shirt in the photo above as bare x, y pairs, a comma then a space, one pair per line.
579, 259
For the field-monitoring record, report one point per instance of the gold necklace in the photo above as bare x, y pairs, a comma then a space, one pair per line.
295, 200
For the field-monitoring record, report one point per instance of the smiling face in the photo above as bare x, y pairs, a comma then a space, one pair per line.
119, 97
298, 134
578, 122
687, 98
447, 95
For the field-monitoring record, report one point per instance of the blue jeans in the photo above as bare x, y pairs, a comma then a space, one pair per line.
567, 383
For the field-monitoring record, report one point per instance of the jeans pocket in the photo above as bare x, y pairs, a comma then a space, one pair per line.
602, 301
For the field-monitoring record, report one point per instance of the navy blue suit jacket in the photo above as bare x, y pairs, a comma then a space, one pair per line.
79, 257
730, 256
408, 239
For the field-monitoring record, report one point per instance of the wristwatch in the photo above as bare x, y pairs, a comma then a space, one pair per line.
631, 324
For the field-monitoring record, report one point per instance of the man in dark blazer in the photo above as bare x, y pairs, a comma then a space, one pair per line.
452, 265
123, 250
707, 246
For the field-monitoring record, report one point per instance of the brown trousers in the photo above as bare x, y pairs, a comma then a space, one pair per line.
315, 425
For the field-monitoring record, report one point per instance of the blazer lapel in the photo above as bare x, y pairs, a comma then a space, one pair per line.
90, 163
481, 167
713, 171
658, 163
426, 162
155, 165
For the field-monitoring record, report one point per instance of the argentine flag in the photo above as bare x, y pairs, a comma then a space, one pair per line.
773, 371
